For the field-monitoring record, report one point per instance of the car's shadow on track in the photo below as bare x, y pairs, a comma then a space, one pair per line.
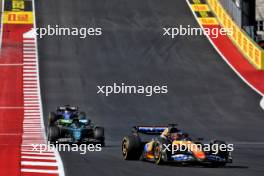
236, 167
107, 146
115, 145
205, 166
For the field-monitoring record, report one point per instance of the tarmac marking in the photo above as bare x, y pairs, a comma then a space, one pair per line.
29, 44
29, 60
39, 157
29, 52
40, 171
36, 153
30, 49
29, 163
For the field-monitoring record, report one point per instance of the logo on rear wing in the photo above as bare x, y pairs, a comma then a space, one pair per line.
152, 130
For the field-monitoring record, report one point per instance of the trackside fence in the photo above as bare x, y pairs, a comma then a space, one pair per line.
250, 49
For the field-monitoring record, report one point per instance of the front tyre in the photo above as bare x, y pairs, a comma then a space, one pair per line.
158, 154
131, 147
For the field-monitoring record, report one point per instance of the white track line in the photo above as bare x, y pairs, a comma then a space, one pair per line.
38, 157
30, 163
29, 44
30, 101
29, 49
30, 52
30, 79
28, 107
37, 153
40, 171
29, 60
25, 67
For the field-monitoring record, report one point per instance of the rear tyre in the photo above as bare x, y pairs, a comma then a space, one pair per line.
99, 135
82, 115
52, 118
131, 147
222, 154
53, 133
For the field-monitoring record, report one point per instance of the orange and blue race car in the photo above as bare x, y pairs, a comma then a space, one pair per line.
169, 144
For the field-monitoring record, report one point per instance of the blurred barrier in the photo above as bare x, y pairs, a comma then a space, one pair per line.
250, 49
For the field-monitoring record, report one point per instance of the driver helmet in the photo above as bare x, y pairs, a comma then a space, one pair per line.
174, 134
67, 114
186, 136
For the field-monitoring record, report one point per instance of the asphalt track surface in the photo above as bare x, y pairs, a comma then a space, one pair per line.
205, 97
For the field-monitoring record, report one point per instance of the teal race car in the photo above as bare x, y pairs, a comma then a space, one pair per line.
69, 125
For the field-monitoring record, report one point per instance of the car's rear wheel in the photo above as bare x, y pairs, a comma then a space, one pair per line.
99, 135
53, 133
222, 154
131, 147
82, 115
52, 118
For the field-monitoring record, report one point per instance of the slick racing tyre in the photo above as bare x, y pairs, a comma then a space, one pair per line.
222, 154
53, 133
99, 135
159, 155
132, 147
52, 118
82, 115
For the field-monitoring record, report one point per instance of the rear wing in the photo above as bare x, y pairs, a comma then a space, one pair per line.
151, 130
68, 107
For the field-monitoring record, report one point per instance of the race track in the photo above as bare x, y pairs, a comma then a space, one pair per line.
205, 97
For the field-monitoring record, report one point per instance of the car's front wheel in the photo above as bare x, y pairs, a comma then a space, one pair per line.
132, 147
159, 154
